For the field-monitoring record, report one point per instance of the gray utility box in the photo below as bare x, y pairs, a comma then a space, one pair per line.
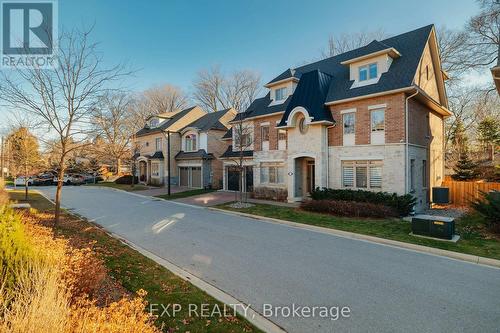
433, 226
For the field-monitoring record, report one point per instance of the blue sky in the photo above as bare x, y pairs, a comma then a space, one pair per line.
170, 41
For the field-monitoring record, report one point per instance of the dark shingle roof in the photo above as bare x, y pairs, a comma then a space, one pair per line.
166, 124
182, 155
400, 75
261, 107
229, 134
157, 155
210, 121
311, 93
230, 153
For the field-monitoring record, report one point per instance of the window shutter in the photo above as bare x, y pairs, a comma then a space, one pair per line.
348, 176
376, 176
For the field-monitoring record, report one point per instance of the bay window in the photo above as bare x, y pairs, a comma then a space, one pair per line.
272, 173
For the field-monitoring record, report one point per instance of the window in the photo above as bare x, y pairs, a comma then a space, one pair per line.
302, 125
280, 94
155, 169
412, 175
246, 140
367, 72
378, 120
158, 144
348, 176
264, 132
147, 143
281, 134
272, 173
153, 122
190, 142
424, 173
362, 174
349, 120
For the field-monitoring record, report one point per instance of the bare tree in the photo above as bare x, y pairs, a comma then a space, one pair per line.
243, 140
156, 100
112, 125
62, 98
213, 90
453, 52
484, 35
338, 44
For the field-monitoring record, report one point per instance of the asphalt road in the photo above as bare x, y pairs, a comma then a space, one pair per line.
387, 289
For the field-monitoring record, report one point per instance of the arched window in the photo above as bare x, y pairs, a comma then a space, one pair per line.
303, 126
190, 142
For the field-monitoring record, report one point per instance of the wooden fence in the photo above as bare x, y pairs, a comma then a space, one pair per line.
462, 193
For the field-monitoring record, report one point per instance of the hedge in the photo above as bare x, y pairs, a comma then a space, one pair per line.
403, 204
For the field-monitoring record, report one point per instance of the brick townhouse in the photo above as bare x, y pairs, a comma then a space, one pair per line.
371, 118
195, 143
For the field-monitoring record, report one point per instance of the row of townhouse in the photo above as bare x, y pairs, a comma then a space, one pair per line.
371, 118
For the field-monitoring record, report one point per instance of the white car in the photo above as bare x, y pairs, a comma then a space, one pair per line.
66, 179
21, 181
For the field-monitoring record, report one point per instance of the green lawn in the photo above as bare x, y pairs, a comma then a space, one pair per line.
184, 194
474, 239
135, 271
36, 200
124, 187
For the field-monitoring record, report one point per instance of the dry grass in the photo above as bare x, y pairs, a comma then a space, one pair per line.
49, 286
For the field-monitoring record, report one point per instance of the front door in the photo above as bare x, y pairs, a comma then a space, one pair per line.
233, 179
249, 179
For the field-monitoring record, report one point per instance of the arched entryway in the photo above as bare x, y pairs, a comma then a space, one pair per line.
304, 176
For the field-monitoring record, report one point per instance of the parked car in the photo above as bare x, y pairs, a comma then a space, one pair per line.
77, 179
66, 180
44, 179
21, 181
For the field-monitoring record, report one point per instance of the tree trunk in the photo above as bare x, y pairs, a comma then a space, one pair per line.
60, 180
118, 166
492, 152
26, 189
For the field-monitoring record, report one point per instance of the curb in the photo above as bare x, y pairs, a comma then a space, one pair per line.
372, 239
252, 316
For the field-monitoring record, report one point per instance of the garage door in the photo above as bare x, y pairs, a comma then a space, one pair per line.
196, 177
184, 176
190, 177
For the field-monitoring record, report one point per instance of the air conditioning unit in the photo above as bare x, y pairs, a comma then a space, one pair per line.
433, 226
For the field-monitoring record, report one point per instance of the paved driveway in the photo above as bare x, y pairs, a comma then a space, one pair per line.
387, 289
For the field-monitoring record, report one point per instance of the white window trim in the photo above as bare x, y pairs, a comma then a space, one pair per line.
348, 111
274, 164
367, 165
377, 106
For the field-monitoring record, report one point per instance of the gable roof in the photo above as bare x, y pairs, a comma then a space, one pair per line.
310, 94
165, 124
228, 134
210, 121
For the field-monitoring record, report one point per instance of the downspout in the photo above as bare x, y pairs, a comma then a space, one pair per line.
407, 142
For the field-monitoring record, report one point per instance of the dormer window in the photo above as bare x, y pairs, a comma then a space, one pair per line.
280, 94
368, 72
190, 142
154, 122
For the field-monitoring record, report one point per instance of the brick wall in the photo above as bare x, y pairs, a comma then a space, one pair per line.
394, 119
217, 146
273, 132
